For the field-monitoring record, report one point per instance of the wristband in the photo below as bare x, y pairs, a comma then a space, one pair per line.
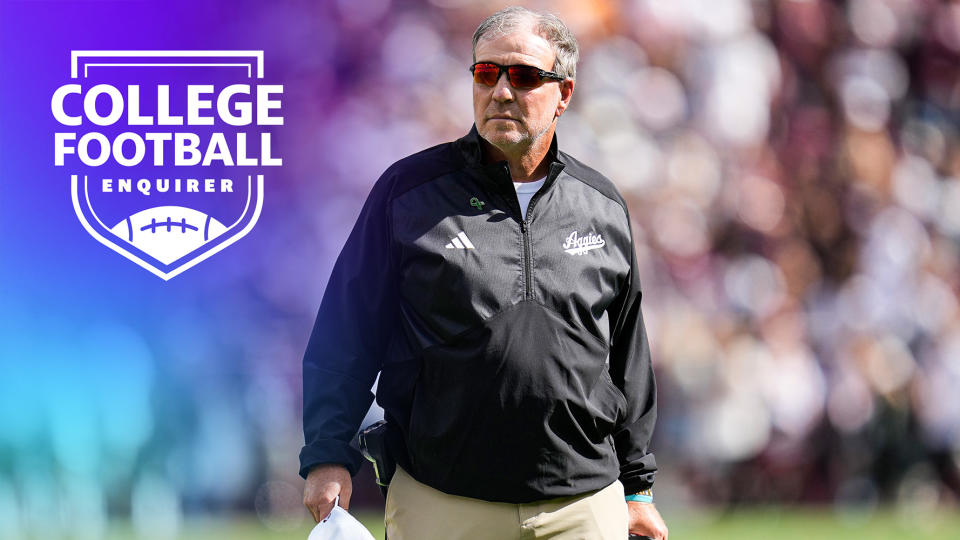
645, 496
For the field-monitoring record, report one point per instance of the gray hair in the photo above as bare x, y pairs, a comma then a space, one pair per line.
547, 25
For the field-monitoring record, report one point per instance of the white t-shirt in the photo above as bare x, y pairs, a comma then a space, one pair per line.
525, 191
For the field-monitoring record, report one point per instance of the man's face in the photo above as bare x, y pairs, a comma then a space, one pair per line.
506, 117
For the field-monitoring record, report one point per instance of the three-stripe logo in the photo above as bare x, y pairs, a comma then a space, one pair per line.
460, 241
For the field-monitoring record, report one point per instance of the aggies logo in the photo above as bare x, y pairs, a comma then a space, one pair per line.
575, 244
166, 150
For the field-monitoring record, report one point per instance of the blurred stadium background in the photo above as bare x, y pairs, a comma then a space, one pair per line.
793, 170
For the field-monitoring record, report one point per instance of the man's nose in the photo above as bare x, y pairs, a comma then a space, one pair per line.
502, 91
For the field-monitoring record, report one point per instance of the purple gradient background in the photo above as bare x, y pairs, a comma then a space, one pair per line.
120, 391
110, 375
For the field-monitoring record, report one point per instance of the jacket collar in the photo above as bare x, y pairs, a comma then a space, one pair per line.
498, 174
472, 149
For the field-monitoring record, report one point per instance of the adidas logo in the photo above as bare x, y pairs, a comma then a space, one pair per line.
460, 241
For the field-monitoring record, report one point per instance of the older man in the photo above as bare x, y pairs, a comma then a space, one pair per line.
492, 283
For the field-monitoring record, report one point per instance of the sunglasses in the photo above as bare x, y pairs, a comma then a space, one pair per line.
520, 76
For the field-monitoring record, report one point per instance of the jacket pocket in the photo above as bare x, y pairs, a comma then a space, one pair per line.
454, 380
523, 399
609, 404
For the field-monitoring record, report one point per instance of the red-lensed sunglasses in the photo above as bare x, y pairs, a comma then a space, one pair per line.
520, 76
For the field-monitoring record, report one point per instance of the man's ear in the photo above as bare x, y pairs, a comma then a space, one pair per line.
566, 92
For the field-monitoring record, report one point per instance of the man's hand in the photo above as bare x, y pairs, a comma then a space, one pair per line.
324, 483
643, 519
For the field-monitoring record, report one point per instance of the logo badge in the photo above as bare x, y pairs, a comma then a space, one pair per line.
580, 245
477, 203
460, 241
166, 150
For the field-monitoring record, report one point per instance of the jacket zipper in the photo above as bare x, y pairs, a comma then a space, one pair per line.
527, 255
527, 266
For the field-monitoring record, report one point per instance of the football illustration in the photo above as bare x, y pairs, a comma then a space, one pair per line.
167, 233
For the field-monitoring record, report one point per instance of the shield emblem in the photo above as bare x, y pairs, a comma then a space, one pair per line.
170, 146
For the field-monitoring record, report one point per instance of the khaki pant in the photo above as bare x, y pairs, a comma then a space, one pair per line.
418, 512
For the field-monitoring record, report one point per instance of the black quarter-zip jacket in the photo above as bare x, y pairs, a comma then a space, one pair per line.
513, 359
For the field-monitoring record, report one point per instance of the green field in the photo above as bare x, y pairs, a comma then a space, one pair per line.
755, 524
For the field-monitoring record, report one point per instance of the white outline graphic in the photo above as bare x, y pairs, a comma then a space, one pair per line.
142, 58
74, 179
75, 57
87, 66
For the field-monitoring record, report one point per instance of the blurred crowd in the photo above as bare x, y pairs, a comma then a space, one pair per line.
793, 173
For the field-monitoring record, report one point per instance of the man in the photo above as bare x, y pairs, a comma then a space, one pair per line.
505, 323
